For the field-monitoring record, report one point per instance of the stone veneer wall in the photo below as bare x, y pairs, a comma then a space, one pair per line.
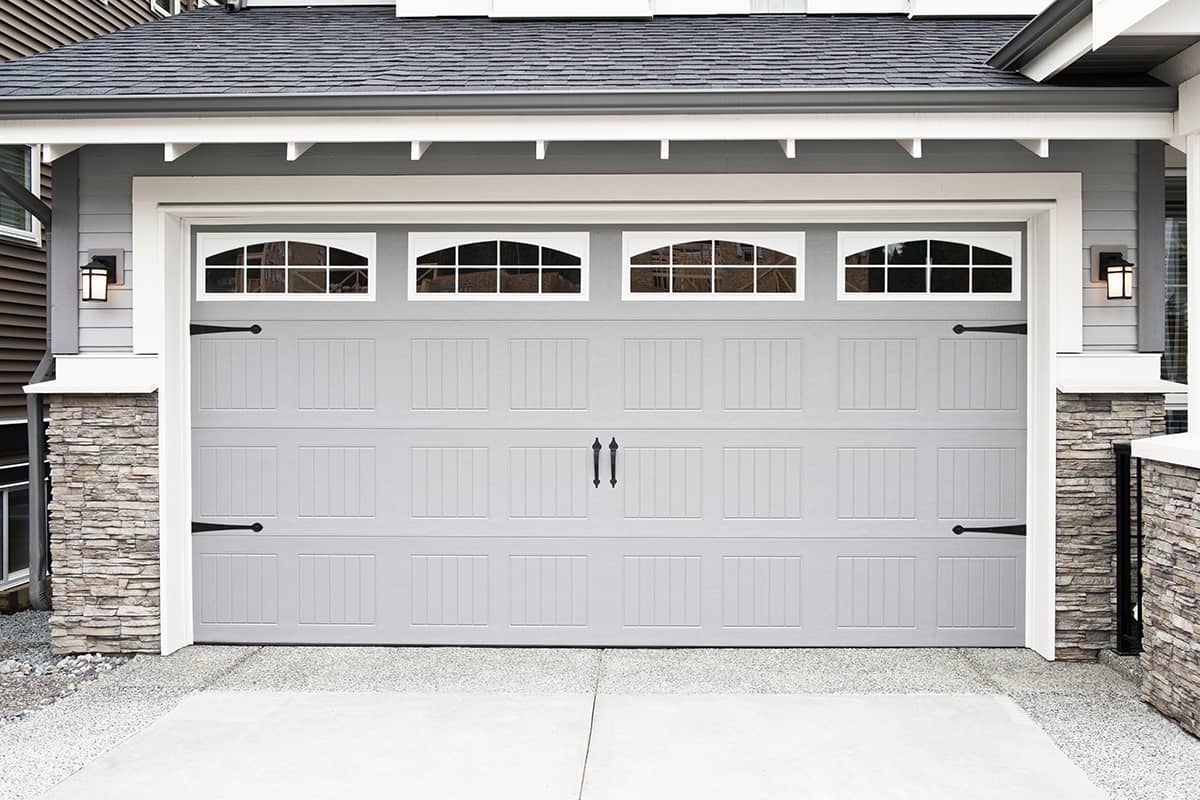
1085, 572
103, 452
1171, 591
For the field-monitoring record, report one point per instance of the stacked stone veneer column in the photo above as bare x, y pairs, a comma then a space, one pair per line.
103, 452
1171, 591
1085, 550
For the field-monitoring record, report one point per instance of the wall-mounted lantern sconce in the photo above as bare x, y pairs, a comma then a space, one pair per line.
1112, 267
94, 281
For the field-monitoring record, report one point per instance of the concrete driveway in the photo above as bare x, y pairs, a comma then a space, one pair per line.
568, 724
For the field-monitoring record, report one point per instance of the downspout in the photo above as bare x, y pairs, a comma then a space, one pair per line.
39, 539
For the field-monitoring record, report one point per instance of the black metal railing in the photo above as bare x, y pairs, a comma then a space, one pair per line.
1129, 550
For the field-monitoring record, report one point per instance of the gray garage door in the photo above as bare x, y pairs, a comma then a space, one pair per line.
608, 471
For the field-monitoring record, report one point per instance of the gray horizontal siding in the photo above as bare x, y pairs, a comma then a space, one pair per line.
1109, 172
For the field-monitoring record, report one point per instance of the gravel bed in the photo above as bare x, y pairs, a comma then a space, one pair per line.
31, 677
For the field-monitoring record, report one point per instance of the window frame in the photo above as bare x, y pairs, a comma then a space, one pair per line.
1005, 242
636, 242
209, 244
32, 234
172, 10
576, 243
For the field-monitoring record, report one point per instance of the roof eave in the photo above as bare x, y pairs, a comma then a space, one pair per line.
1060, 17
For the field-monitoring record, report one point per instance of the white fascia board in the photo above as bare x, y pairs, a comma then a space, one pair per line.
592, 128
1062, 53
575, 8
858, 7
101, 373
1182, 449
976, 8
442, 8
1113, 373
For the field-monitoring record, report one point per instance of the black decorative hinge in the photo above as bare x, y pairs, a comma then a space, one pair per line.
1021, 328
204, 330
1007, 530
209, 527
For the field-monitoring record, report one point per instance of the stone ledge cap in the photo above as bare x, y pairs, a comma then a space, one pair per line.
1181, 449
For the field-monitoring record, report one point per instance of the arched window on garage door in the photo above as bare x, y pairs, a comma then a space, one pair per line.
697, 265
295, 266
915, 265
492, 266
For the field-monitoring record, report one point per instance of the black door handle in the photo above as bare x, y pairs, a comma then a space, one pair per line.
209, 527
612, 463
1008, 530
596, 448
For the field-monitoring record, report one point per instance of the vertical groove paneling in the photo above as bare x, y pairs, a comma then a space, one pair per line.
980, 375
549, 481
449, 590
661, 482
337, 374
877, 374
237, 482
663, 374
979, 592
337, 590
548, 591
337, 481
237, 374
662, 591
978, 483
876, 592
763, 482
238, 589
548, 374
764, 374
877, 483
449, 374
450, 482
761, 592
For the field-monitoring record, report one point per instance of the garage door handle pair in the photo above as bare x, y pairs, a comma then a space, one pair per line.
612, 464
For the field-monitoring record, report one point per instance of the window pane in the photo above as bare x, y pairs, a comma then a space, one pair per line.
18, 530
949, 253
479, 254
906, 280
777, 280
557, 258
519, 280
771, 258
267, 254
981, 255
15, 161
692, 253
562, 281
914, 252
992, 280
950, 281
475, 280
344, 258
304, 254
660, 256
518, 254
348, 281
268, 281
649, 279
735, 254
222, 281
864, 279
735, 279
872, 256
690, 280
435, 280
438, 258
306, 281
230, 258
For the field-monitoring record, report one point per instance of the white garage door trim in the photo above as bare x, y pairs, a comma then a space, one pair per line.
165, 210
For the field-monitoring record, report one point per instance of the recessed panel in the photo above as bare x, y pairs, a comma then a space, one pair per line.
980, 375
978, 592
764, 374
450, 482
877, 374
876, 592
661, 482
236, 374
547, 482
450, 590
238, 589
763, 482
548, 374
877, 483
449, 374
337, 590
549, 591
337, 481
337, 374
978, 483
663, 374
236, 481
661, 591
761, 592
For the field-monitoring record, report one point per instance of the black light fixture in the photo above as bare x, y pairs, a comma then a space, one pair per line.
1117, 272
94, 277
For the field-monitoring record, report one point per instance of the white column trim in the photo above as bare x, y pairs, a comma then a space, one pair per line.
1193, 295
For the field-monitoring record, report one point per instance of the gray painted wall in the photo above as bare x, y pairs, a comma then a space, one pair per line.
1109, 192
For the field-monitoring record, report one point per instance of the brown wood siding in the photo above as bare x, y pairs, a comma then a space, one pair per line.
32, 27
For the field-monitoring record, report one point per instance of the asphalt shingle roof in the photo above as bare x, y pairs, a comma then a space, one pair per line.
368, 50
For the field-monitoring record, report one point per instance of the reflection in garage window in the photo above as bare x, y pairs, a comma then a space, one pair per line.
287, 267
930, 266
499, 266
713, 267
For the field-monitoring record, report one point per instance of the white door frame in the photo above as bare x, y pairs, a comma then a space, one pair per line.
166, 209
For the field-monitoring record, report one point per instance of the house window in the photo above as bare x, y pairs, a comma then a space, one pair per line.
1174, 360
286, 266
725, 266
923, 266
20, 163
165, 7
516, 266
